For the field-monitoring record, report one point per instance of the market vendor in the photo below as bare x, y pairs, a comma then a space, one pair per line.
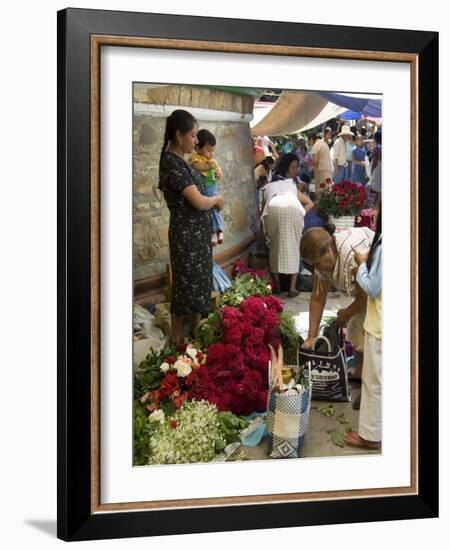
332, 258
189, 226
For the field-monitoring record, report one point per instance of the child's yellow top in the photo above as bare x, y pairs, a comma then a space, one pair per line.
197, 157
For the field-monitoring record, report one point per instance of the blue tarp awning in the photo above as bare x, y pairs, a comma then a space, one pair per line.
362, 105
350, 115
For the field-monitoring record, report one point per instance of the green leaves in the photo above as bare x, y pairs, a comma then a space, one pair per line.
290, 338
230, 425
341, 419
326, 410
337, 438
328, 203
143, 431
209, 331
148, 376
244, 286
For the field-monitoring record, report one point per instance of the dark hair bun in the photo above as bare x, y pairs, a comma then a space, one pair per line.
330, 227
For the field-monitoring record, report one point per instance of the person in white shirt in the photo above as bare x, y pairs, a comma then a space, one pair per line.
340, 153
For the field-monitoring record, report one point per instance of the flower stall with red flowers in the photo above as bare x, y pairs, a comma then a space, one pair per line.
223, 372
341, 199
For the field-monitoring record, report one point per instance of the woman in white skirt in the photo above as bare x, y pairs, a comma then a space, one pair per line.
283, 220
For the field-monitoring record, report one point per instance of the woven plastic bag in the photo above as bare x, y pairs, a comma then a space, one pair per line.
287, 414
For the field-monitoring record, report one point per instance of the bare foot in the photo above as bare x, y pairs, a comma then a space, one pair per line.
355, 440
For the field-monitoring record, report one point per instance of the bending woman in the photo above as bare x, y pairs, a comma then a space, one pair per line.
283, 220
189, 226
332, 258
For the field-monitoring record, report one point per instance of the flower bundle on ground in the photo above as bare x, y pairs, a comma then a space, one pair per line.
192, 434
168, 390
148, 376
235, 377
187, 398
243, 286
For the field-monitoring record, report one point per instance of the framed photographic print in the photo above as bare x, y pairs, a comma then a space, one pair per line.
199, 160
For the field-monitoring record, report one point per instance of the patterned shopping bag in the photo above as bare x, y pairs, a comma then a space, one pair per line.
329, 375
287, 416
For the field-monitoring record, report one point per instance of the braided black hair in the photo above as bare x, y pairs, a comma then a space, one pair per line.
178, 120
165, 144
376, 239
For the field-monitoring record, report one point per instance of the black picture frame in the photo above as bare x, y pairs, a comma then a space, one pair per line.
76, 519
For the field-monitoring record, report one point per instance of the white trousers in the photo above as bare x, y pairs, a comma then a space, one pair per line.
370, 409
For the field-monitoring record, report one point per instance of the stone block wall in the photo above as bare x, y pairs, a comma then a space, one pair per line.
151, 216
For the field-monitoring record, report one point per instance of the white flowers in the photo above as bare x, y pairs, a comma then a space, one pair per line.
157, 416
183, 366
184, 363
197, 437
164, 367
191, 351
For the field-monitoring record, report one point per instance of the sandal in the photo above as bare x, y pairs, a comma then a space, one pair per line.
293, 293
355, 440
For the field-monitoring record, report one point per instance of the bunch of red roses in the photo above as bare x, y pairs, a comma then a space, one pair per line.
351, 197
342, 199
235, 376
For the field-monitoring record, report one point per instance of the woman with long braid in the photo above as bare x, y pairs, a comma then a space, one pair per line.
369, 278
190, 224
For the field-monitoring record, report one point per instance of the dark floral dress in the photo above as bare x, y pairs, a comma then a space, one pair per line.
189, 238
